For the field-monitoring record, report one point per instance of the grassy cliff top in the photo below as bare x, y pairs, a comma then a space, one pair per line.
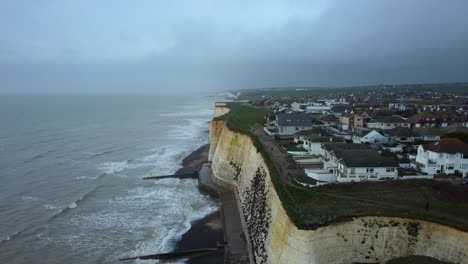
442, 202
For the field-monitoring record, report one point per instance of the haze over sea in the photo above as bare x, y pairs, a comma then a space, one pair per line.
71, 169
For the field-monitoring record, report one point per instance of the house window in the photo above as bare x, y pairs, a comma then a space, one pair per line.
390, 169
353, 170
370, 169
450, 166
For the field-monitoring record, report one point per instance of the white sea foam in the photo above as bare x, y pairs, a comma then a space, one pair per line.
73, 205
113, 167
29, 198
86, 178
51, 207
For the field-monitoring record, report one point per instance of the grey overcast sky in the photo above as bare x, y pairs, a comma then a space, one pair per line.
109, 46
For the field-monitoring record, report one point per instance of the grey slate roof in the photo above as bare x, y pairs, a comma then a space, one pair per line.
339, 146
364, 158
392, 119
400, 132
341, 108
302, 120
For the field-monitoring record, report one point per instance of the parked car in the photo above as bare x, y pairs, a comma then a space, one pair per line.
465, 181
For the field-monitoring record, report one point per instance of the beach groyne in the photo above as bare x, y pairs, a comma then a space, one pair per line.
273, 238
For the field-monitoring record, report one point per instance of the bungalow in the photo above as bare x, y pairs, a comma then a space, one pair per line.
449, 155
362, 165
313, 144
389, 122
400, 134
329, 120
427, 133
316, 131
289, 124
317, 109
372, 137
353, 162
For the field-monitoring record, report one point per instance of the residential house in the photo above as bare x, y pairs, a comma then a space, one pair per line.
361, 119
329, 120
313, 143
400, 134
353, 162
424, 119
372, 137
346, 121
315, 131
449, 155
340, 109
427, 133
362, 165
317, 109
389, 122
289, 124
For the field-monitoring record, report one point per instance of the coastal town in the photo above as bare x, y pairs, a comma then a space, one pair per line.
397, 133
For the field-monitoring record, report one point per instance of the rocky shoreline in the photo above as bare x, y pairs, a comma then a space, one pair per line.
208, 231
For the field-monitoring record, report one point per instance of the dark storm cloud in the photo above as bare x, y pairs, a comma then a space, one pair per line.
150, 46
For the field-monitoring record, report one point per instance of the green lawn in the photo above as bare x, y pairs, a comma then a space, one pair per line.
242, 117
309, 208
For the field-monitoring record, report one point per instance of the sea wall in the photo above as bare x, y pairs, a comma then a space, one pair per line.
275, 239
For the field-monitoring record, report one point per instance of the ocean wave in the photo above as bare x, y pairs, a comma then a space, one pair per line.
178, 205
29, 198
89, 153
12, 236
91, 177
113, 167
38, 156
74, 204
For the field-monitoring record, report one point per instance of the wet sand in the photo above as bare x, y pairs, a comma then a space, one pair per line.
206, 232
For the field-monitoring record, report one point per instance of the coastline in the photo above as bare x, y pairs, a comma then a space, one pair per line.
206, 232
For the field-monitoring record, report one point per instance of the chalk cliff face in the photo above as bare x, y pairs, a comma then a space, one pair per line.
275, 239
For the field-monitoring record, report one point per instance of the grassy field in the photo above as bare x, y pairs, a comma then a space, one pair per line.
242, 117
303, 92
436, 201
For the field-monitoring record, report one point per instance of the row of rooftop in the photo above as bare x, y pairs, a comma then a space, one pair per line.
396, 140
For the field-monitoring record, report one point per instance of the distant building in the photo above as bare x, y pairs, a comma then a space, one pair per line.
317, 109
448, 155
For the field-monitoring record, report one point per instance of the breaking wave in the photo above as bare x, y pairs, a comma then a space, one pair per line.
98, 153
72, 205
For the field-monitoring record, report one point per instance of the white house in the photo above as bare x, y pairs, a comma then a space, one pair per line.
365, 165
317, 109
313, 144
449, 155
353, 162
289, 124
371, 137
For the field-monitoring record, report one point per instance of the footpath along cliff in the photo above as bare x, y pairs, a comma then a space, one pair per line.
274, 238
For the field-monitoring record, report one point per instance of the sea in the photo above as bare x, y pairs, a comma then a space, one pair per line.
71, 169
